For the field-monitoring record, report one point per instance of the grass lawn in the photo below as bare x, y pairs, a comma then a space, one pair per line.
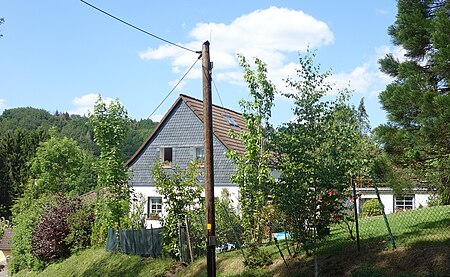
98, 262
409, 228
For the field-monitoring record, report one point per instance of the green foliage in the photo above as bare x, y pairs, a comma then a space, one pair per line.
181, 192
371, 207
102, 219
139, 131
417, 102
49, 236
4, 224
80, 227
60, 165
138, 211
27, 212
110, 124
16, 150
228, 223
316, 152
23, 129
257, 257
253, 175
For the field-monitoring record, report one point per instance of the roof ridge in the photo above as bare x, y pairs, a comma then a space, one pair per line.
214, 105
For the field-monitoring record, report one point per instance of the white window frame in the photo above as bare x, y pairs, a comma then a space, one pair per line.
157, 201
404, 202
162, 153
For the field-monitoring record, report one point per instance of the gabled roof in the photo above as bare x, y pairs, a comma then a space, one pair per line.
224, 120
5, 241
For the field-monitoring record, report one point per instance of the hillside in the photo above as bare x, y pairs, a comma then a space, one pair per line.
418, 254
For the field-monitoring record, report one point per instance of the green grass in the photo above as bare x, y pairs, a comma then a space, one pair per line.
409, 228
422, 236
98, 262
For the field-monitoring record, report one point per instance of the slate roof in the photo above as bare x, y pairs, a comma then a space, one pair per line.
5, 242
221, 125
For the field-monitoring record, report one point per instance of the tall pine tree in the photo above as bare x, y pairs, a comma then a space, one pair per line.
417, 135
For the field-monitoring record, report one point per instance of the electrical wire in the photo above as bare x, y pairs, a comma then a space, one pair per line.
139, 29
217, 91
176, 85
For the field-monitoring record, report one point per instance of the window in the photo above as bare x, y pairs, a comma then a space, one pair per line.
230, 120
154, 208
166, 155
404, 203
199, 154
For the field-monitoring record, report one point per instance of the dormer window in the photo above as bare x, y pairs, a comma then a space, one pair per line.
230, 120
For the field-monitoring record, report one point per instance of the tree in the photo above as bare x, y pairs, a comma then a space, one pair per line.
16, 150
253, 174
182, 197
60, 165
417, 135
316, 152
110, 125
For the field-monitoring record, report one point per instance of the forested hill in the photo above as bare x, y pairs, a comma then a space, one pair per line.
23, 129
38, 121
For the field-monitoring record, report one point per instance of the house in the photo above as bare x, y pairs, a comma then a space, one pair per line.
413, 199
178, 139
5, 246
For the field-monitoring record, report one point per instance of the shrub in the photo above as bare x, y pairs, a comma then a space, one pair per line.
26, 213
371, 207
80, 228
257, 257
48, 241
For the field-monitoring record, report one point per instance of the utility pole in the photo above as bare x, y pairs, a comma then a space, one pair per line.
209, 163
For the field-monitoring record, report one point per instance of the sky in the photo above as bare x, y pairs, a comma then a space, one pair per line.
60, 55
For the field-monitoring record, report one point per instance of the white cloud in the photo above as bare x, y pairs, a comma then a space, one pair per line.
2, 104
269, 34
367, 78
156, 117
85, 104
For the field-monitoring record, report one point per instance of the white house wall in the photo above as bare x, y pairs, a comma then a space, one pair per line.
388, 199
150, 191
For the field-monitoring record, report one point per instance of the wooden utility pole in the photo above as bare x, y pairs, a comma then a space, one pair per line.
209, 163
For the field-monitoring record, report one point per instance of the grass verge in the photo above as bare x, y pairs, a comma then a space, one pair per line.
98, 262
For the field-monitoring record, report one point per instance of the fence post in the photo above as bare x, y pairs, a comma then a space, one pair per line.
189, 239
180, 240
153, 241
356, 213
384, 214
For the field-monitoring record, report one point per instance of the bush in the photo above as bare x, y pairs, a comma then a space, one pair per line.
80, 228
371, 207
257, 257
49, 237
26, 213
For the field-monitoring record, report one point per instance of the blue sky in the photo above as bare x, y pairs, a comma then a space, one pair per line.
58, 55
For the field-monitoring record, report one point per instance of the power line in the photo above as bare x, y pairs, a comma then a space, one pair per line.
176, 85
217, 91
139, 29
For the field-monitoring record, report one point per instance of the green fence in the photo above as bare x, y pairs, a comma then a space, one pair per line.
144, 242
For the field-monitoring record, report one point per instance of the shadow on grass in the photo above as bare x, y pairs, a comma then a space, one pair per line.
429, 260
